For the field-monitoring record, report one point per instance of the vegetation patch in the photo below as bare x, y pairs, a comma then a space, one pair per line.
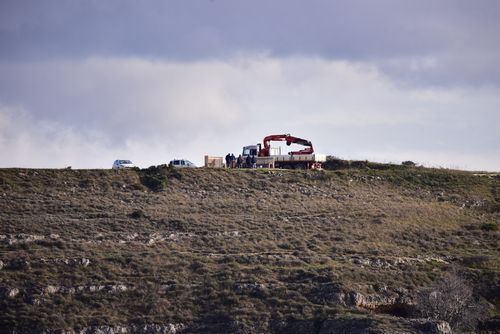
233, 250
489, 227
155, 178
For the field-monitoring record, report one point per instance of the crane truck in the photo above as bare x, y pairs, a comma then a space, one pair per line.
301, 159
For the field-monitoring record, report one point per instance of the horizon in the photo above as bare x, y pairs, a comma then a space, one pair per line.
85, 83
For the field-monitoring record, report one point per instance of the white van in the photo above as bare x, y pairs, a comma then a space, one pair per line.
182, 163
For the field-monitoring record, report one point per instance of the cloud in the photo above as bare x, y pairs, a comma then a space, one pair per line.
86, 113
25, 142
164, 79
426, 42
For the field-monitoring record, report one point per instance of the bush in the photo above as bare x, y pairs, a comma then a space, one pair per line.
137, 214
408, 163
156, 177
154, 182
489, 227
450, 299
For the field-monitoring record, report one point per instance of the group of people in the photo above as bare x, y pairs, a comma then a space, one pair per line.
233, 162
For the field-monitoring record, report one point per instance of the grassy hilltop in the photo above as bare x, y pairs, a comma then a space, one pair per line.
244, 251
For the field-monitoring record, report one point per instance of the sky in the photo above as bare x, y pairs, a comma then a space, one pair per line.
83, 83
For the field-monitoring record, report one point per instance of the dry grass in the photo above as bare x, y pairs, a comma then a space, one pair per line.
193, 247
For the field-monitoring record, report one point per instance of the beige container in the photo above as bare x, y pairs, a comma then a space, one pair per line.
214, 162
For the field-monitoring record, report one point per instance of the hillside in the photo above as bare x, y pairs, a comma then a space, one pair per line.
242, 251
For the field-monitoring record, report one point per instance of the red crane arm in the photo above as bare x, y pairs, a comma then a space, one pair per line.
289, 140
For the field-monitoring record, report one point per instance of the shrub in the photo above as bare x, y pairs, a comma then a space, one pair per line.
408, 163
450, 299
174, 224
137, 214
477, 261
154, 182
489, 227
156, 177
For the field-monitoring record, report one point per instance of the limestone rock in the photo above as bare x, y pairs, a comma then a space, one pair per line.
117, 288
84, 262
434, 327
50, 289
12, 293
9, 293
132, 329
22, 238
355, 299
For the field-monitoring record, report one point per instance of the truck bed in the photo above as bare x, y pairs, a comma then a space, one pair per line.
300, 157
289, 161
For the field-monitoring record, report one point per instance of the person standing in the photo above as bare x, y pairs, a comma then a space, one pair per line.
254, 162
228, 160
239, 161
248, 161
233, 161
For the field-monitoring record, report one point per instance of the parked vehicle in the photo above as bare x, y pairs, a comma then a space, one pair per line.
182, 163
302, 159
120, 164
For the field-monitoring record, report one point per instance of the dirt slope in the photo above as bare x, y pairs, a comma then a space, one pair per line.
240, 250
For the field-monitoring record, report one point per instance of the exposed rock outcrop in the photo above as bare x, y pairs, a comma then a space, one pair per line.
335, 294
105, 329
109, 288
20, 238
433, 327
9, 293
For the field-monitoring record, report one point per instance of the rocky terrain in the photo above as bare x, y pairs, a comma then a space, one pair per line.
351, 250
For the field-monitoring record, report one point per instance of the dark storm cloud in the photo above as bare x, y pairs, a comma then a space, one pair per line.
457, 36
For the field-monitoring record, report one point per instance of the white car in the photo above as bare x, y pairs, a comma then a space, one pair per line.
119, 164
182, 163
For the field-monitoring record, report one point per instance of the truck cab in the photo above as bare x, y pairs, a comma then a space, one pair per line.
251, 150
